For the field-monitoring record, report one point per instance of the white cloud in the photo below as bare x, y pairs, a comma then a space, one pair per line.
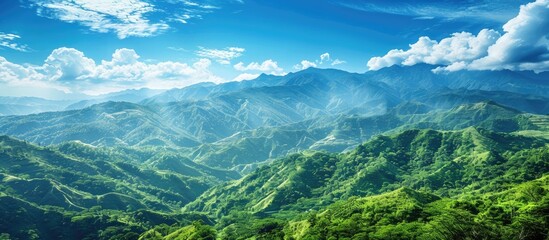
325, 58
523, 46
10, 72
8, 40
68, 64
246, 76
268, 66
222, 56
69, 70
304, 65
124, 17
338, 62
253, 70
459, 47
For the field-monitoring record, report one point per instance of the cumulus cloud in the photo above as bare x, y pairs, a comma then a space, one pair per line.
11, 72
7, 40
268, 66
222, 56
304, 65
459, 47
69, 70
68, 64
523, 46
323, 59
254, 69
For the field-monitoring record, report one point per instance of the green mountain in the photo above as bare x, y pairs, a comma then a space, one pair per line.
242, 125
248, 149
46, 176
75, 184
400, 153
24, 220
408, 214
444, 163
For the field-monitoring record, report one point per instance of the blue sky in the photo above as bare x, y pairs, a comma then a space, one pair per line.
52, 47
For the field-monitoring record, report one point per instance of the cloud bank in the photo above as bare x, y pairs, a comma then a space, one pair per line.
524, 45
70, 71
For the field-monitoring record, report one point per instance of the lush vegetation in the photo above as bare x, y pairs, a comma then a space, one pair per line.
75, 191
318, 154
444, 163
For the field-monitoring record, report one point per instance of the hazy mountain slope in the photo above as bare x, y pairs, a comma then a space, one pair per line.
132, 96
103, 124
407, 79
29, 105
300, 97
246, 149
452, 98
335, 110
202, 91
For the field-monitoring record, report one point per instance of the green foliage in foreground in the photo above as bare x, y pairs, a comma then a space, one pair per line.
196, 231
446, 164
418, 184
521, 212
24, 220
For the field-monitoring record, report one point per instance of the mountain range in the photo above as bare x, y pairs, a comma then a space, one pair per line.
399, 153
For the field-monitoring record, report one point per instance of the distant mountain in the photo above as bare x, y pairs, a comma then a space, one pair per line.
103, 124
202, 91
241, 124
132, 96
408, 79
30, 105
304, 96
33, 105
245, 150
